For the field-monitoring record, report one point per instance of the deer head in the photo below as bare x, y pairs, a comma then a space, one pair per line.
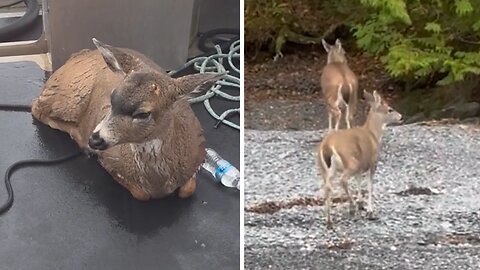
380, 114
142, 101
336, 53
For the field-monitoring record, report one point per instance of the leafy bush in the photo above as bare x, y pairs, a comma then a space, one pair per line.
421, 39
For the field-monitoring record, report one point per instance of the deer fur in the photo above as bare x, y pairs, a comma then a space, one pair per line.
339, 85
354, 151
121, 105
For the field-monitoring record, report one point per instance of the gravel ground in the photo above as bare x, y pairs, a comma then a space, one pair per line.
437, 230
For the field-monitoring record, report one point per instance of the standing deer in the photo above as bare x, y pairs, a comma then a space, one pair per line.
137, 119
339, 85
354, 151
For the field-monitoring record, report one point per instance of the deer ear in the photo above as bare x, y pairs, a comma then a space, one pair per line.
118, 61
378, 98
338, 44
368, 97
197, 82
326, 46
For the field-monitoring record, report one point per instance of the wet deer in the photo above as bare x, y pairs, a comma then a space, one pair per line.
134, 116
353, 152
339, 85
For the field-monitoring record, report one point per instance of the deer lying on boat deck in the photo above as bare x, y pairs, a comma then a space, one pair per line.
339, 85
354, 152
137, 119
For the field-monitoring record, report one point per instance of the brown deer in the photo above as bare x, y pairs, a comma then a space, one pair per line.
354, 151
121, 105
339, 85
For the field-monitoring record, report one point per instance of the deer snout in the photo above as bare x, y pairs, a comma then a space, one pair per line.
400, 118
96, 142
397, 119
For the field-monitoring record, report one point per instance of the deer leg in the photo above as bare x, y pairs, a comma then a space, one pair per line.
337, 113
328, 202
352, 103
139, 194
359, 197
328, 174
347, 115
136, 191
370, 214
359, 194
344, 183
351, 113
329, 121
188, 188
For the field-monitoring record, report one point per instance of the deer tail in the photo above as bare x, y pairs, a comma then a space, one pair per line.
345, 94
324, 158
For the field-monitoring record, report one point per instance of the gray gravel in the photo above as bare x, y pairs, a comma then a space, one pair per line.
439, 231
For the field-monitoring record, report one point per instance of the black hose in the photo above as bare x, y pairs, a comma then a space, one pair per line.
12, 30
29, 162
202, 41
24, 163
207, 50
15, 108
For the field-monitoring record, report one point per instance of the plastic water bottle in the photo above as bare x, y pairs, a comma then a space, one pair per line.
221, 170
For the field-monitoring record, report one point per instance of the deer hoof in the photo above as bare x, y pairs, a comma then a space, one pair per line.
89, 152
140, 194
188, 189
353, 209
360, 206
329, 225
371, 215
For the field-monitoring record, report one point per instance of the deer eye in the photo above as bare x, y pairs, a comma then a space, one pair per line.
390, 110
141, 115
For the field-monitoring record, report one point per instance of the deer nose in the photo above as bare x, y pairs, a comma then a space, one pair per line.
399, 120
96, 142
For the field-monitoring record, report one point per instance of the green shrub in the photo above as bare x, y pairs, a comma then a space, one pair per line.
421, 39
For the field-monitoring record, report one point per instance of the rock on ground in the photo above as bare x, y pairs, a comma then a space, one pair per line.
440, 230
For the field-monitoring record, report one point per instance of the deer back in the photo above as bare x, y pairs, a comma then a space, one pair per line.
335, 75
76, 95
